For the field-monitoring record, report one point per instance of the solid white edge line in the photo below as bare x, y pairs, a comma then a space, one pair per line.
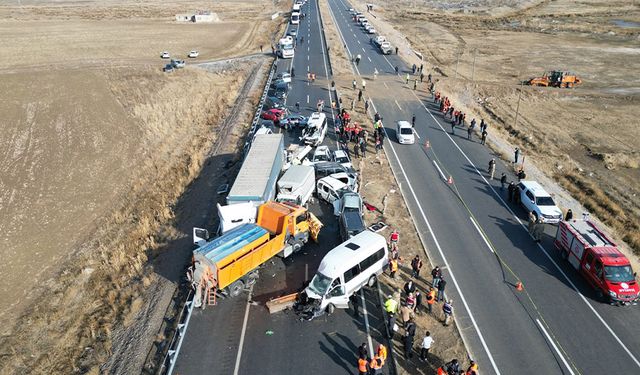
439, 170
573, 286
242, 334
481, 234
444, 259
553, 344
366, 322
400, 108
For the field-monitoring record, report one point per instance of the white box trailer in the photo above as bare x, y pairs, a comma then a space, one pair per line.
297, 184
256, 181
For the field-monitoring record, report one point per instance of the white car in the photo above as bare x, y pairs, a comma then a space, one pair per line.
534, 198
284, 77
340, 156
178, 63
193, 54
321, 154
165, 55
371, 30
404, 132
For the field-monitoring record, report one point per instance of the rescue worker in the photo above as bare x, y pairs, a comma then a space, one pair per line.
391, 308
363, 365
375, 365
393, 267
532, 222
431, 299
538, 229
450, 368
472, 369
382, 352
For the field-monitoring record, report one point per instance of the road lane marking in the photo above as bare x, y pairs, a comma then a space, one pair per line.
444, 259
244, 331
363, 49
440, 171
484, 238
368, 56
307, 99
358, 41
553, 344
416, 133
400, 108
385, 84
573, 286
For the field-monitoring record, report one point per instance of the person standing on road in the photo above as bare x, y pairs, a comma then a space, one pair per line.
354, 302
382, 352
421, 77
391, 308
397, 70
362, 350
407, 78
366, 106
393, 267
416, 265
431, 299
469, 132
353, 103
569, 215
409, 287
354, 84
483, 125
472, 369
538, 229
363, 147
503, 180
413, 69
396, 50
356, 151
415, 84
297, 106
447, 309
363, 365
453, 127
364, 85
427, 341
437, 276
360, 95
410, 333
483, 140
516, 154
492, 168
510, 191
532, 222
441, 285
413, 121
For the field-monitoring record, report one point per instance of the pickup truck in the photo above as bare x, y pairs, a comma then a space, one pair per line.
349, 209
385, 48
377, 40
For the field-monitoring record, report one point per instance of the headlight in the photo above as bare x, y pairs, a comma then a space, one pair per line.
612, 294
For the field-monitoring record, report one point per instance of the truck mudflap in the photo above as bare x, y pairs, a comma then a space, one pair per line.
314, 226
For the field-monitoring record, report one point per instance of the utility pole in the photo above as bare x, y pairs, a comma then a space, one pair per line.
518, 105
457, 62
473, 67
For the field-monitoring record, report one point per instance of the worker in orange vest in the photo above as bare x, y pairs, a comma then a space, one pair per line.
382, 352
431, 299
393, 266
473, 369
375, 365
363, 366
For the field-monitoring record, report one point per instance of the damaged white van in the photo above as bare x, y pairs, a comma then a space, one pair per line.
346, 269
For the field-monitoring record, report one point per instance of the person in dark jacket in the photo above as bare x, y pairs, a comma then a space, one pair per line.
569, 215
410, 333
441, 285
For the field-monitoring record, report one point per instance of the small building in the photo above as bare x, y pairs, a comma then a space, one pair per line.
202, 16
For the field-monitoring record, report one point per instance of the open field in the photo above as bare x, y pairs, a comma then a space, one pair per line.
98, 145
583, 138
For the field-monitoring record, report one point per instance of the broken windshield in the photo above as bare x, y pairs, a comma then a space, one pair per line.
320, 284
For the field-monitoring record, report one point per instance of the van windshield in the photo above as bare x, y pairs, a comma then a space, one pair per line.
618, 274
320, 284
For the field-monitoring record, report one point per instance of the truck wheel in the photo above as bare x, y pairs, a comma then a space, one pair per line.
236, 288
372, 281
252, 277
296, 245
331, 309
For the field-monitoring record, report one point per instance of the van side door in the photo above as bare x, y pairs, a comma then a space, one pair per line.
337, 294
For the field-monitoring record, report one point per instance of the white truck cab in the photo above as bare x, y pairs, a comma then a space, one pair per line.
346, 269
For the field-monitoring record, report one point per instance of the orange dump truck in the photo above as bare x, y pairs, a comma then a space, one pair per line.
230, 262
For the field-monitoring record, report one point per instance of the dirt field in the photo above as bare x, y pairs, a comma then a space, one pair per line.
98, 144
581, 138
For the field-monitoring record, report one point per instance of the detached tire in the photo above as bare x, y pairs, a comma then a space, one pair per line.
236, 288
331, 309
296, 245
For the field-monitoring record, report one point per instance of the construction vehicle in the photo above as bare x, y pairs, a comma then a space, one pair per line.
597, 258
229, 263
555, 78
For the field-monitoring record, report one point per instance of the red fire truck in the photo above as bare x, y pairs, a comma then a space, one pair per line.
596, 256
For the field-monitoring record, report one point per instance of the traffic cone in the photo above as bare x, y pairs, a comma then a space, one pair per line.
450, 181
519, 287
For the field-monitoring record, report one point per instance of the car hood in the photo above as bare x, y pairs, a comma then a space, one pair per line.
550, 210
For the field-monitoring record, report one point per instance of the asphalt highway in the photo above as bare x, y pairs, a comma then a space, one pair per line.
238, 335
556, 326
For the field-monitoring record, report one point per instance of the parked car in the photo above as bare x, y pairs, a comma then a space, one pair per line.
404, 132
293, 32
328, 168
273, 102
340, 156
273, 114
294, 121
284, 77
349, 178
534, 198
322, 154
168, 68
193, 54
178, 63
165, 55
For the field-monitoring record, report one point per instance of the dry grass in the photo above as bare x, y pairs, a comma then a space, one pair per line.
69, 330
337, 53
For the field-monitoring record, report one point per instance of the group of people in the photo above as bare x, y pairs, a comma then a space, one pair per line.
458, 118
371, 366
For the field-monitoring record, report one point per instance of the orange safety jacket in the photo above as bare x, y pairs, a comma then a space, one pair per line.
362, 365
382, 352
376, 363
432, 300
394, 265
